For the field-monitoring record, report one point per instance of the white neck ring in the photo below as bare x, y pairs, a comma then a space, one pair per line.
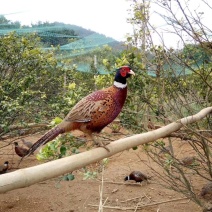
120, 85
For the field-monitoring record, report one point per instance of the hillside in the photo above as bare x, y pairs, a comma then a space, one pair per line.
58, 33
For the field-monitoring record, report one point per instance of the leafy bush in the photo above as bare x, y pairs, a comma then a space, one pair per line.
30, 80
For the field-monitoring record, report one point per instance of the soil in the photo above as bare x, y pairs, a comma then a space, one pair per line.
84, 195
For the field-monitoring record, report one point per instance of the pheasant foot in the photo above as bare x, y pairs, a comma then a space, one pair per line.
102, 144
99, 143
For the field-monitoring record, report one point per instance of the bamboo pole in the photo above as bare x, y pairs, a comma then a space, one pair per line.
29, 176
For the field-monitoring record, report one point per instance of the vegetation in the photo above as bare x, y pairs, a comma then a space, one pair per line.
181, 86
29, 78
36, 86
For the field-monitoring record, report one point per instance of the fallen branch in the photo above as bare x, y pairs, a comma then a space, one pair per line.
29, 176
25, 128
127, 200
138, 206
123, 183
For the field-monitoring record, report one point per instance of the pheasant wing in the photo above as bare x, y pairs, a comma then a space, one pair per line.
81, 112
85, 109
141, 175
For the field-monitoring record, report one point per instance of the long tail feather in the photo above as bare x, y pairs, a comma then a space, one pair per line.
49, 136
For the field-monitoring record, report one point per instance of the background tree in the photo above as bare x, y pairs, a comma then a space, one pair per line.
29, 78
7, 24
180, 85
55, 33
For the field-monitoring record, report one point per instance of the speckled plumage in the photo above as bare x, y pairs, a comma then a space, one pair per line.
94, 112
97, 110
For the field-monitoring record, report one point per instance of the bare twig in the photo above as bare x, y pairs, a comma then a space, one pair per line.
123, 183
139, 206
127, 200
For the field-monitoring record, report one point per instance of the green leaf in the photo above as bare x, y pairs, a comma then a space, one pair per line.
75, 150
63, 150
89, 175
68, 177
56, 121
135, 147
105, 161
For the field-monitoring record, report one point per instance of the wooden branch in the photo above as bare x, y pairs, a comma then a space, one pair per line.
29, 176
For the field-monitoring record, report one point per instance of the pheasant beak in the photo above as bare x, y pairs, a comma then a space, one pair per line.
131, 72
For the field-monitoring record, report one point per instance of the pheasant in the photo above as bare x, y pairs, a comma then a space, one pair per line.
188, 161
206, 189
94, 112
137, 176
20, 151
4, 168
151, 125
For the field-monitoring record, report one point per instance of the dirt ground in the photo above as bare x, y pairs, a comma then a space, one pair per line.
84, 195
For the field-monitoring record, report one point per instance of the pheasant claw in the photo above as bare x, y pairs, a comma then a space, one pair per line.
101, 143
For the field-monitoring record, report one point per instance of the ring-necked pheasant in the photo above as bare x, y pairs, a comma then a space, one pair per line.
20, 151
206, 189
137, 176
94, 112
4, 168
188, 161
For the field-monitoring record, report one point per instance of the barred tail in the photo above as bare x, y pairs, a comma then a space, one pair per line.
49, 136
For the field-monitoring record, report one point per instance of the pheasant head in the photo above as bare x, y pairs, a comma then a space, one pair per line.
121, 75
